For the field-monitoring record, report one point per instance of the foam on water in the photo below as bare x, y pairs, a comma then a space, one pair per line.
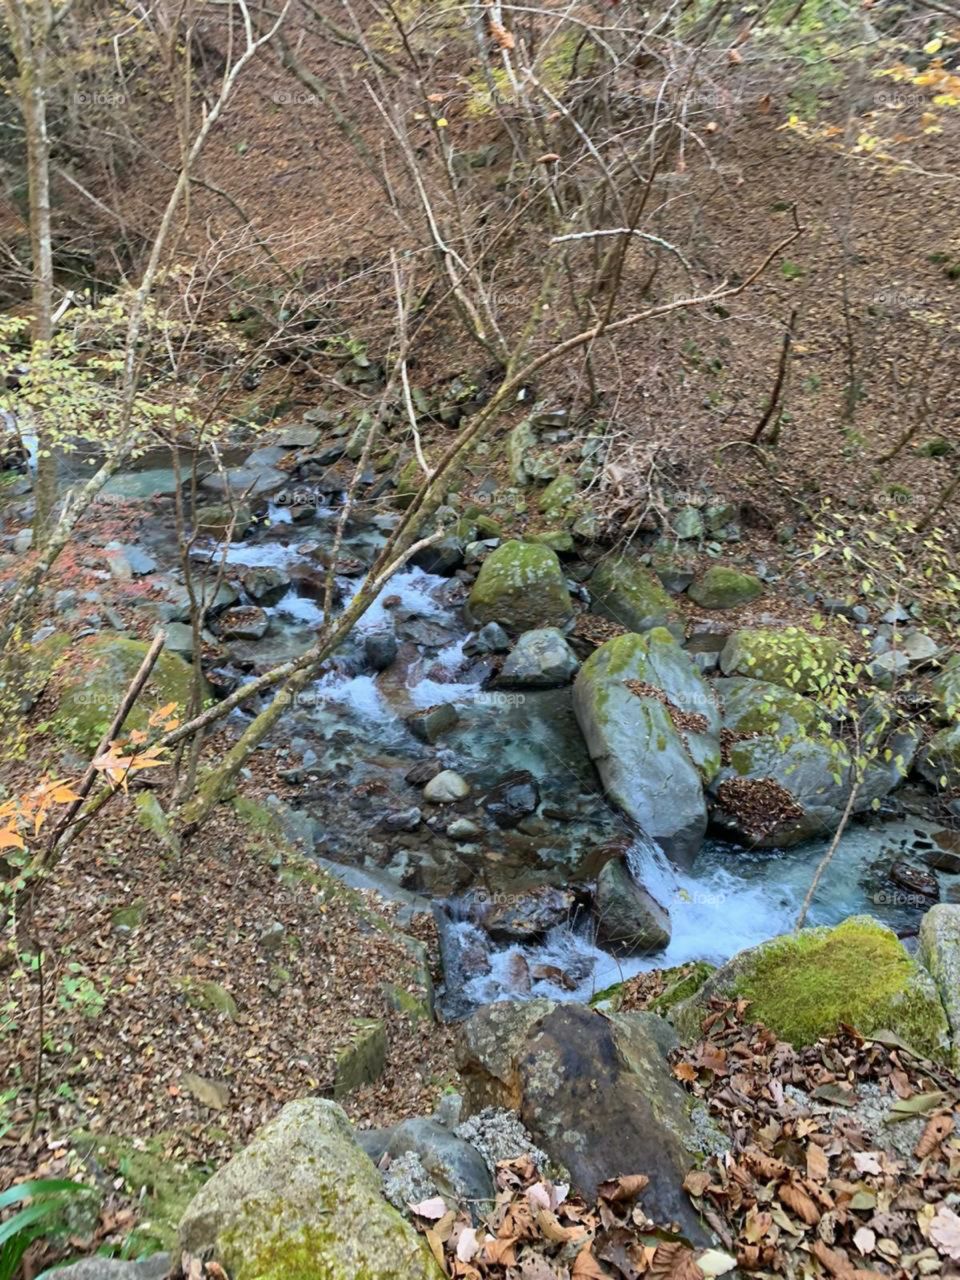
277, 514
260, 555
300, 608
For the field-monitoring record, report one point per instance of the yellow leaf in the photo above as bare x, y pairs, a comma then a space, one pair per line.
9, 839
933, 46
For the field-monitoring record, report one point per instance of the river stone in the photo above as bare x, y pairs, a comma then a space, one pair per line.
723, 588
758, 706
512, 798
803, 986
523, 917
215, 518
626, 592
629, 920
303, 1200
796, 659
940, 953
95, 675
265, 584
430, 723
649, 770
593, 1090
246, 481
446, 788
380, 649
247, 622
540, 659
521, 586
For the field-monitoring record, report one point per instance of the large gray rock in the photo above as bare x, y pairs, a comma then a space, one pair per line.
521, 586
455, 1167
594, 1091
540, 659
629, 920
653, 771
627, 592
940, 953
303, 1200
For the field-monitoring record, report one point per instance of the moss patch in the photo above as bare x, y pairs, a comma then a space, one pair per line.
792, 658
723, 588
802, 987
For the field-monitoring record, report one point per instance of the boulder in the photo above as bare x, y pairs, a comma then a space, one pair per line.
265, 584
524, 917
626, 592
723, 588
432, 723
521, 586
455, 1167
796, 659
804, 985
940, 953
245, 622
629, 920
593, 1090
446, 788
540, 659
303, 1200
939, 761
513, 798
651, 769
95, 676
761, 707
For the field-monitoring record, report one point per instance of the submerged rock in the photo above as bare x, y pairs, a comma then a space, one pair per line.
512, 798
629, 699
804, 985
521, 586
303, 1200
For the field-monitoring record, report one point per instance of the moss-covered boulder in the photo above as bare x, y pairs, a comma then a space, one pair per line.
946, 690
760, 707
521, 586
939, 761
95, 676
796, 659
724, 588
558, 498
651, 727
303, 1202
629, 593
804, 985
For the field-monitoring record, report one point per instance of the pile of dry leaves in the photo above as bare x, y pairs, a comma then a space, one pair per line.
538, 1231
845, 1158
759, 804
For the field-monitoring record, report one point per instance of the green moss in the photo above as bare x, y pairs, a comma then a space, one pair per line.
858, 973
164, 1186
521, 586
792, 658
96, 674
557, 498
683, 980
209, 996
305, 1254
630, 594
760, 707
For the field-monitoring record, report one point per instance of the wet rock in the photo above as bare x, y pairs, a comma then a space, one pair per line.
301, 436
266, 584
431, 723
422, 772
380, 649
594, 1091
946, 855
626, 592
540, 659
521, 586
216, 519
526, 917
512, 798
651, 769
402, 820
629, 920
915, 880
446, 788
246, 482
248, 622
489, 639
442, 557
290, 1204
126, 562
939, 761
940, 952
462, 829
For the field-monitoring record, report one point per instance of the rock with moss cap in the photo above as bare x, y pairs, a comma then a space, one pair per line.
303, 1200
796, 659
946, 690
95, 676
556, 501
651, 726
939, 761
802, 986
723, 588
761, 707
627, 592
521, 586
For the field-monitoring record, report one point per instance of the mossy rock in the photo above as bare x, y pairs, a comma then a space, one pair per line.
940, 759
521, 586
803, 986
795, 659
682, 981
95, 676
362, 1059
556, 501
559, 540
760, 707
303, 1202
723, 588
946, 691
209, 996
627, 592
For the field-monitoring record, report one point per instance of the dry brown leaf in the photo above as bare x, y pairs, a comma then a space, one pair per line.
818, 1166
628, 1187
937, 1128
684, 1071
553, 1229
944, 1232
696, 1182
586, 1267
674, 1261
799, 1203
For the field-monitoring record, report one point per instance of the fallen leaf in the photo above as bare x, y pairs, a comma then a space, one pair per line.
798, 1202
433, 1209
938, 1128
944, 1232
865, 1240
586, 1267
626, 1188
818, 1166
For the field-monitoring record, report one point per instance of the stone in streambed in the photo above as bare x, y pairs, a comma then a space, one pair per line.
521, 586
248, 622
446, 788
629, 920
431, 723
302, 1200
540, 660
